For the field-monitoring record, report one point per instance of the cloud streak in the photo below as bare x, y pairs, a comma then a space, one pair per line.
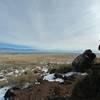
54, 24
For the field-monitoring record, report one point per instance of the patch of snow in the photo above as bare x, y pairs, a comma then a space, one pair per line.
59, 80
83, 74
16, 71
37, 82
69, 62
44, 62
38, 67
1, 74
51, 78
45, 69
32, 69
26, 85
22, 71
11, 73
75, 73
70, 74
3, 79
2, 92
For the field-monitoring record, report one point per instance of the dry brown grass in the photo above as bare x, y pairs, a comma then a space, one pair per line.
97, 60
17, 61
35, 57
27, 61
29, 77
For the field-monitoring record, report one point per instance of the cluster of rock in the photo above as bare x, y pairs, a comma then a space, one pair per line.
88, 88
76, 84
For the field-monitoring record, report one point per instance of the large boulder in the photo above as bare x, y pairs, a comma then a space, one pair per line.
11, 93
84, 61
88, 88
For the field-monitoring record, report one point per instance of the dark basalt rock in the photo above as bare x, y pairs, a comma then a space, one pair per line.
89, 87
84, 61
52, 71
58, 75
10, 93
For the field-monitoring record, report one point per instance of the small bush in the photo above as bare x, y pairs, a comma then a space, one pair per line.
3, 83
29, 77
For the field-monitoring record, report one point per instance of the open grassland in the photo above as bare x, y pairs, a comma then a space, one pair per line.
23, 68
36, 57
27, 71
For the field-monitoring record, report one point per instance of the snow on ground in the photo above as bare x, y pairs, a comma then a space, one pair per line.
2, 92
59, 80
70, 74
74, 73
51, 77
44, 69
3, 79
83, 74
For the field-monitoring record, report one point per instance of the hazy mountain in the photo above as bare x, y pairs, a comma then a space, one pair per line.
5, 47
14, 48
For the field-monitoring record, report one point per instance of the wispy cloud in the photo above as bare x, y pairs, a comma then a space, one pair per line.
55, 24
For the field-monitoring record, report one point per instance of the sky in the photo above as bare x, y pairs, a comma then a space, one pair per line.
50, 24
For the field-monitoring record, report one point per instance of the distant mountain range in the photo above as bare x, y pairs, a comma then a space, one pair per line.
17, 50
6, 47
13, 48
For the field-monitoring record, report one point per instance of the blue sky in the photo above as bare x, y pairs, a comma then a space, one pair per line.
50, 24
13, 46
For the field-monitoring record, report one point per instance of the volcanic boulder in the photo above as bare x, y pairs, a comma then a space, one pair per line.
84, 61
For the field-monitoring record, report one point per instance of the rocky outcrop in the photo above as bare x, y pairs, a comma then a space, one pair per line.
88, 88
84, 61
